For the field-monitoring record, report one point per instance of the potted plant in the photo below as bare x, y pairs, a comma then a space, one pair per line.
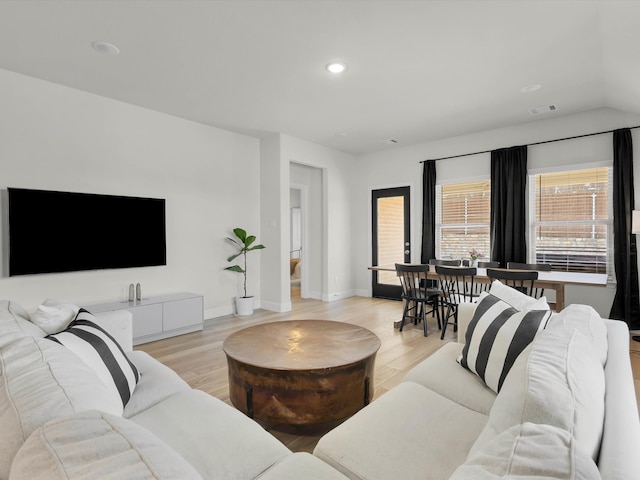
245, 244
475, 255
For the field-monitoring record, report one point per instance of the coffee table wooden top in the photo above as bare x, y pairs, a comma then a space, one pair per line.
301, 344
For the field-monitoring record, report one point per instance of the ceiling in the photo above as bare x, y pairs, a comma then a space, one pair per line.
417, 70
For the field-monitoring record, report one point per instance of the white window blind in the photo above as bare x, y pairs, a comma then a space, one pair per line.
463, 215
571, 219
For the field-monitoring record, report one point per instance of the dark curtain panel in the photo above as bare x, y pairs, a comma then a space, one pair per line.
428, 211
508, 182
626, 305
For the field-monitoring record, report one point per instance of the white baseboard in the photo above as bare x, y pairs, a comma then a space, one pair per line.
332, 297
277, 307
218, 312
314, 295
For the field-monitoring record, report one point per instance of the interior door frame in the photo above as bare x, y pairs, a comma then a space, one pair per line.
379, 290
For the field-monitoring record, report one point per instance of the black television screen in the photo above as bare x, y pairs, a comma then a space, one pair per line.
62, 231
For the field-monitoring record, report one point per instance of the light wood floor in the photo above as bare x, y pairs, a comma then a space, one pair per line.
198, 357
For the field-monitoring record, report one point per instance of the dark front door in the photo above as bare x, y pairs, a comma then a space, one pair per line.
391, 237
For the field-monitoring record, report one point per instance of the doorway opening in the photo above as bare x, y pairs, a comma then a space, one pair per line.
306, 186
295, 242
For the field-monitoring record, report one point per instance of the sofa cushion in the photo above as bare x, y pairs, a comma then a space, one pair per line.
409, 432
101, 353
443, 375
495, 337
299, 466
157, 382
15, 323
41, 380
560, 383
529, 451
218, 440
588, 322
93, 444
53, 316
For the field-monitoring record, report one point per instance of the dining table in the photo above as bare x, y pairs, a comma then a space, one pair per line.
551, 280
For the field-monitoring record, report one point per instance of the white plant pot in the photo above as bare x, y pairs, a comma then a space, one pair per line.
244, 306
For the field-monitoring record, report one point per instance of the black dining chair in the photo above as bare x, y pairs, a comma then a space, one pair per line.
482, 286
521, 280
457, 285
539, 267
416, 295
488, 264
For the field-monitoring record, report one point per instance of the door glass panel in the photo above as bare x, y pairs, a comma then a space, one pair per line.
390, 236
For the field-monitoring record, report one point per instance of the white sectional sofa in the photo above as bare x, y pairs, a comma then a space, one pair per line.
58, 422
567, 409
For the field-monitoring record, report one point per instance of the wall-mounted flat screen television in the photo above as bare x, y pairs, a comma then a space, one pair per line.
53, 231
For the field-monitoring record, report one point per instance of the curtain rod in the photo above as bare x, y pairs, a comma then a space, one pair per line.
530, 144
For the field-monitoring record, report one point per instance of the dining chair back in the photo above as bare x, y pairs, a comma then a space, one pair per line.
417, 295
494, 264
445, 262
457, 285
521, 280
539, 267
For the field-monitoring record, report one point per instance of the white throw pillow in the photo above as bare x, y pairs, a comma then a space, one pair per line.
517, 299
101, 353
496, 336
40, 381
54, 316
93, 444
529, 451
560, 383
588, 322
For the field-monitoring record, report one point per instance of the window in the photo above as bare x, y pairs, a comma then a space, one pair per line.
462, 219
571, 219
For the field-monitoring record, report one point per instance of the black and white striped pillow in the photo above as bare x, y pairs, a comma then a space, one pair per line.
101, 352
496, 335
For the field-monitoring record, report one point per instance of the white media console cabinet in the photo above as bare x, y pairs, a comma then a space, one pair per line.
159, 317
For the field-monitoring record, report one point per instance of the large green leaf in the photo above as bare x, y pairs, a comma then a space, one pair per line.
232, 257
256, 247
249, 240
241, 234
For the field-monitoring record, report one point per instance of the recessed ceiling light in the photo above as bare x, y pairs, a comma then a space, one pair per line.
106, 48
530, 88
336, 67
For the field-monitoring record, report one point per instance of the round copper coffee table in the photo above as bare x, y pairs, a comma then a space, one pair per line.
301, 372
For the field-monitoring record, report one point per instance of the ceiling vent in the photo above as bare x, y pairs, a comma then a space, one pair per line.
543, 109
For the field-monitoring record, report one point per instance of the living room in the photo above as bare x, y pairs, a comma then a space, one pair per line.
61, 138
60, 134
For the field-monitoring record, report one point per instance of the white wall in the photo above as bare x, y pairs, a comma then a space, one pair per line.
54, 137
274, 209
396, 166
57, 138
